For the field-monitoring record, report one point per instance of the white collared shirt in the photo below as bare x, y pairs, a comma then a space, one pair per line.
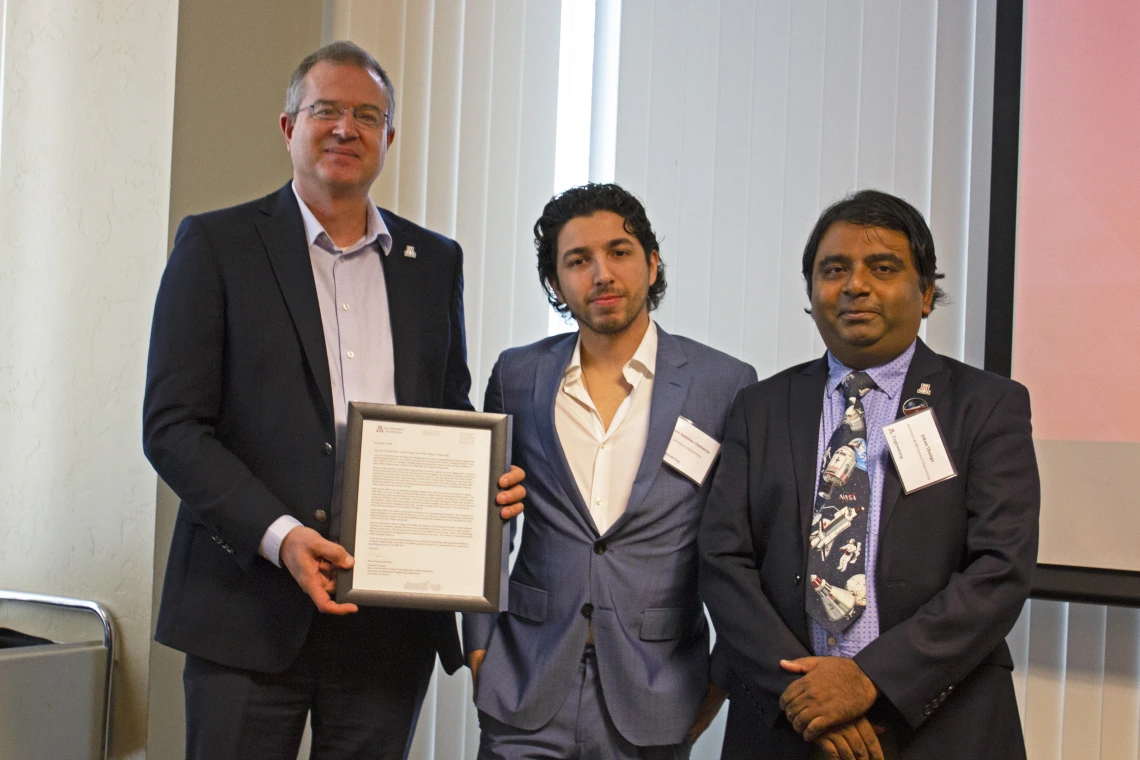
353, 300
604, 461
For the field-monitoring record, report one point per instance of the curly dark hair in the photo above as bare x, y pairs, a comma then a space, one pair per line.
586, 200
874, 208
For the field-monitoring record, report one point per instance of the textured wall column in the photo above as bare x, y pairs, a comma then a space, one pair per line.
88, 96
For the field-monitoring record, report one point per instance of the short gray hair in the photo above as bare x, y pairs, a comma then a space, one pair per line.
342, 52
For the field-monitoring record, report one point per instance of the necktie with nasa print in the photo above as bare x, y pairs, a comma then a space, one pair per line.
836, 593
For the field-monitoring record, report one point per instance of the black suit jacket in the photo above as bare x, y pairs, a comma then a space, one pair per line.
953, 567
238, 418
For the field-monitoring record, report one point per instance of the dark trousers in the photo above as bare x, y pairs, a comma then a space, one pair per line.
364, 698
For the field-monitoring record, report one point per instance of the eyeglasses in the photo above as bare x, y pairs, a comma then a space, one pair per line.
365, 115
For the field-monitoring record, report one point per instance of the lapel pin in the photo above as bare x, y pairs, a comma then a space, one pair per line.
913, 406
410, 251
924, 389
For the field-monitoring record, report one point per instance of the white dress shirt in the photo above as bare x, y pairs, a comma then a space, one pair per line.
353, 300
605, 461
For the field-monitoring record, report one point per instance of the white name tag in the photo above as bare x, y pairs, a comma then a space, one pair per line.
691, 452
918, 451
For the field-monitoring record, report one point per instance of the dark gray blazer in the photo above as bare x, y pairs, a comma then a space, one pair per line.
238, 419
952, 573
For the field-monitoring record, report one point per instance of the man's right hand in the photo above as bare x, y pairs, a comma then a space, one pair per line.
313, 561
475, 661
857, 740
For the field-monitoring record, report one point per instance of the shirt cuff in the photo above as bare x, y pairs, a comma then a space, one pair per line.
270, 546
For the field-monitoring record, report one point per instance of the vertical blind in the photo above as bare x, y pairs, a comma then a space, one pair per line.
737, 121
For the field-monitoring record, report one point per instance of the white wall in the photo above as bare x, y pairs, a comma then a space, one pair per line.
88, 94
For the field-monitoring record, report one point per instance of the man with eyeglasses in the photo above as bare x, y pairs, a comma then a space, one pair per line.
271, 316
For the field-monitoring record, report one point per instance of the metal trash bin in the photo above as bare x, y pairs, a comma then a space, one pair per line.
55, 699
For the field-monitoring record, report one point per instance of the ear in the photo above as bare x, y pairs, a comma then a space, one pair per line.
927, 300
391, 136
553, 284
287, 125
654, 260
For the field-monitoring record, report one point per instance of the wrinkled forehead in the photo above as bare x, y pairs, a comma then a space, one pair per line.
345, 83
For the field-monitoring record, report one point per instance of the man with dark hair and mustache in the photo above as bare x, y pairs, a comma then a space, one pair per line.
865, 606
604, 649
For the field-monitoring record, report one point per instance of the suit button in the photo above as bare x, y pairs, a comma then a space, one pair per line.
328, 448
942, 697
927, 710
320, 515
600, 547
587, 610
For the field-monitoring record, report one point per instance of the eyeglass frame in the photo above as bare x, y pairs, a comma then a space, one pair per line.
346, 109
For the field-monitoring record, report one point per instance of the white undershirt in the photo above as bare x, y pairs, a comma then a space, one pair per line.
605, 461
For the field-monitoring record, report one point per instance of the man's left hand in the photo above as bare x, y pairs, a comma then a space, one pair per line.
511, 493
709, 708
832, 690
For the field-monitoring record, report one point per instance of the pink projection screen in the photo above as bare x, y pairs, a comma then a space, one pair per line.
1076, 275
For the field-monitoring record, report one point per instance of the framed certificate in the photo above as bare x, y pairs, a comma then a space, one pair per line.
419, 512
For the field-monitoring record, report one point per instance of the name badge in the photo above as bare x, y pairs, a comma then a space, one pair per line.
918, 450
691, 452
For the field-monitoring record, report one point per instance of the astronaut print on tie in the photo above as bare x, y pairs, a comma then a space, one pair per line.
836, 593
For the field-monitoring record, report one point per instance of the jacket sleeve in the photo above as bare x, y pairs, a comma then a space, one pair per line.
457, 381
748, 627
917, 663
478, 627
720, 668
183, 399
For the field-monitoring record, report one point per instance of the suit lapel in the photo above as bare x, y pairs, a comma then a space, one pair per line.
925, 367
805, 406
670, 388
282, 232
548, 379
402, 280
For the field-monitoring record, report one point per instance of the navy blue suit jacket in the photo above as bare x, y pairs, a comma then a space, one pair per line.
637, 583
238, 419
952, 574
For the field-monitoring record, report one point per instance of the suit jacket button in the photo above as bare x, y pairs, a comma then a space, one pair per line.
328, 448
927, 710
320, 515
587, 610
600, 547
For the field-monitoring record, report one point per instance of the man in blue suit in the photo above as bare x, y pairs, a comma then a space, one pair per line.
604, 650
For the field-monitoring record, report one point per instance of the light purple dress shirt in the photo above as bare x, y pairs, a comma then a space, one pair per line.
353, 299
879, 406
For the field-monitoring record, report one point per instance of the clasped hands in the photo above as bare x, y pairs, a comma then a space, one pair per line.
313, 560
827, 705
